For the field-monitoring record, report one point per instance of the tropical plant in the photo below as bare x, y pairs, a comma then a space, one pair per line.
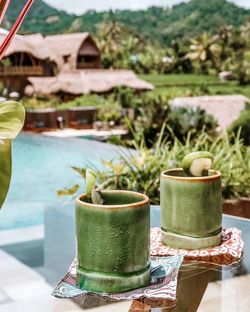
242, 125
240, 66
155, 110
11, 122
117, 44
139, 169
205, 49
11, 113
39, 102
186, 119
235, 53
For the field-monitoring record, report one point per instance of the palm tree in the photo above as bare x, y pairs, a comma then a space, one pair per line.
118, 44
203, 49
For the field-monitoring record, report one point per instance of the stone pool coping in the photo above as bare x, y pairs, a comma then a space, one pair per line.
68, 132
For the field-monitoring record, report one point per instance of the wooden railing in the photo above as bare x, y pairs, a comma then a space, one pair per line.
21, 70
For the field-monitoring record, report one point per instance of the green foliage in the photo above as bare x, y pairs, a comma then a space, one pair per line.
178, 85
242, 126
141, 170
153, 111
181, 80
93, 192
12, 117
5, 168
1, 88
183, 21
39, 18
235, 44
241, 69
189, 37
40, 102
207, 51
185, 119
108, 107
84, 100
68, 191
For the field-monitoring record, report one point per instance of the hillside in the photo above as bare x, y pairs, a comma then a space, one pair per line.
182, 21
41, 18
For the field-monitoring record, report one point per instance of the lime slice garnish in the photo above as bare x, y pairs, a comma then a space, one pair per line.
197, 163
90, 181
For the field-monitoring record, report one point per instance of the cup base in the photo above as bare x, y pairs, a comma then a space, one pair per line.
111, 283
187, 242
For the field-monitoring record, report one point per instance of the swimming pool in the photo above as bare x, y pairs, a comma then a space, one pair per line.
41, 165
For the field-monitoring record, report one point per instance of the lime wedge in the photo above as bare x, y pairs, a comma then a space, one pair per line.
197, 163
90, 181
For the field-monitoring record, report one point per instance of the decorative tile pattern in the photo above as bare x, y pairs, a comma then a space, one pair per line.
164, 273
228, 252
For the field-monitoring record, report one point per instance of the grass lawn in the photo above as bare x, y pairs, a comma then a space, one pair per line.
191, 85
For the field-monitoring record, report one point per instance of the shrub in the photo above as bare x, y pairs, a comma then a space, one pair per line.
40, 102
186, 119
242, 125
155, 110
108, 107
140, 171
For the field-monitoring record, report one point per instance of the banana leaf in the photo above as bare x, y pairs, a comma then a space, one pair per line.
12, 116
5, 168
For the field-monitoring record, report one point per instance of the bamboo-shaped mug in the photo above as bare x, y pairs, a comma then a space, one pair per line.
113, 242
190, 209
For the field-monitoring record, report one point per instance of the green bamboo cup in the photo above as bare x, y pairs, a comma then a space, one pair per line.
113, 242
190, 209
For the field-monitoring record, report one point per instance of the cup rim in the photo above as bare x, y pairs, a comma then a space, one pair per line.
145, 200
215, 175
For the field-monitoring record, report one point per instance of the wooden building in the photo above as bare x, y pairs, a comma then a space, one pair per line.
77, 51
39, 56
68, 65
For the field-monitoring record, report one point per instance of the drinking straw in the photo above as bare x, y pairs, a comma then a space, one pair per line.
4, 46
3, 7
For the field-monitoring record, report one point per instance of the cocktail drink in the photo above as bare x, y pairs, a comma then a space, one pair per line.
191, 204
113, 236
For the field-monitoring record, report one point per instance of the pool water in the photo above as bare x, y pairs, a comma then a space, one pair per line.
41, 165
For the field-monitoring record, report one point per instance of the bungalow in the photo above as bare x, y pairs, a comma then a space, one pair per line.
71, 83
68, 65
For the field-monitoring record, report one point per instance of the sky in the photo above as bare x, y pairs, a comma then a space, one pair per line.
80, 6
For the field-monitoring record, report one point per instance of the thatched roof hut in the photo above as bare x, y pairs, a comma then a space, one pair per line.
67, 63
78, 50
31, 44
225, 108
23, 58
86, 81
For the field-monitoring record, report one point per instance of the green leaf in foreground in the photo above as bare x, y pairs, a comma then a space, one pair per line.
90, 181
12, 115
81, 171
5, 168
